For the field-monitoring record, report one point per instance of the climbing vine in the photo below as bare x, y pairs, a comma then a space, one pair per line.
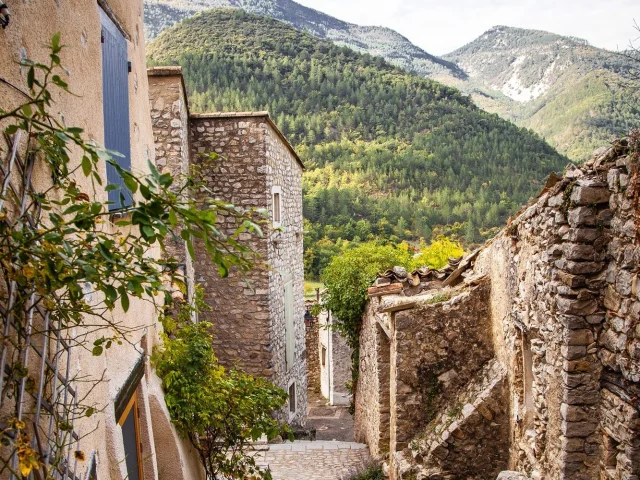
66, 264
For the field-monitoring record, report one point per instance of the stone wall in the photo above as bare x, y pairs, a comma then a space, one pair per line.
314, 352
372, 409
248, 308
563, 316
170, 119
438, 348
284, 253
240, 308
340, 369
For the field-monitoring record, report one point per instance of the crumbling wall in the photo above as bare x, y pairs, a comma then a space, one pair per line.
372, 408
565, 310
438, 348
563, 314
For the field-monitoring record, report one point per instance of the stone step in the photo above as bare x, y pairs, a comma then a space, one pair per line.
473, 425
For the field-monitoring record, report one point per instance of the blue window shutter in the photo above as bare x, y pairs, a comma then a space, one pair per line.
115, 107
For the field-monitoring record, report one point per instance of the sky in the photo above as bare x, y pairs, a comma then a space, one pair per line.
441, 26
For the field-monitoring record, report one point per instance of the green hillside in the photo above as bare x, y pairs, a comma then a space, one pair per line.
389, 154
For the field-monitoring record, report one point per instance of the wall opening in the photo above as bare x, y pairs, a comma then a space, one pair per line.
610, 457
292, 398
324, 356
276, 194
527, 379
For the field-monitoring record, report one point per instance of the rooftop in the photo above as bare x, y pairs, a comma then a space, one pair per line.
262, 114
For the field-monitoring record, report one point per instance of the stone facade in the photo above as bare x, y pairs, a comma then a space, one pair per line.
253, 161
548, 347
125, 368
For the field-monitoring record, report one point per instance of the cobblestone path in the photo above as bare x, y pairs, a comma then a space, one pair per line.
314, 460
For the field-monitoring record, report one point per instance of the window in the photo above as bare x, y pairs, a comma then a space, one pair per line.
324, 355
610, 453
92, 473
290, 344
115, 107
130, 424
292, 398
276, 192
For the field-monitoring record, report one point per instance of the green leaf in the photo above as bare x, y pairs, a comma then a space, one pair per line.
124, 300
130, 182
55, 41
86, 166
26, 110
97, 351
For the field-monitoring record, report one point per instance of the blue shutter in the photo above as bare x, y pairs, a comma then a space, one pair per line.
115, 107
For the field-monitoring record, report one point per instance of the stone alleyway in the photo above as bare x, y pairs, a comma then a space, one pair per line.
314, 460
332, 456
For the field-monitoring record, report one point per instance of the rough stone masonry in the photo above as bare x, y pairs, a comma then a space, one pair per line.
258, 316
526, 356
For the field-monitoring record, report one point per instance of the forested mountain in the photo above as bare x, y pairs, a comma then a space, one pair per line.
388, 153
387, 43
561, 87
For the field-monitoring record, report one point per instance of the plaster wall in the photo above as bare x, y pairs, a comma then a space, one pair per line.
32, 26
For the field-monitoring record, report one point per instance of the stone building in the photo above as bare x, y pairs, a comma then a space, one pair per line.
130, 435
524, 356
258, 316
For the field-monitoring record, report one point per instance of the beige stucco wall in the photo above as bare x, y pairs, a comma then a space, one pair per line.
32, 26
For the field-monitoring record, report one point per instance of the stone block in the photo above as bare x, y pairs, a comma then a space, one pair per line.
578, 251
578, 429
589, 195
579, 268
578, 337
582, 216
573, 306
612, 299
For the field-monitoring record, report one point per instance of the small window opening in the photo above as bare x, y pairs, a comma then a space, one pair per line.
276, 207
610, 452
324, 356
527, 363
292, 398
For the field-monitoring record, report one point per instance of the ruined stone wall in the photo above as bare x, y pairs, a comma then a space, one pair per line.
563, 295
284, 253
619, 339
240, 308
438, 348
563, 317
372, 411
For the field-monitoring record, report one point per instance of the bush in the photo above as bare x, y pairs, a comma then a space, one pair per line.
220, 411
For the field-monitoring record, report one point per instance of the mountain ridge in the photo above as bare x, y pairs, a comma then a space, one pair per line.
390, 155
561, 87
375, 40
